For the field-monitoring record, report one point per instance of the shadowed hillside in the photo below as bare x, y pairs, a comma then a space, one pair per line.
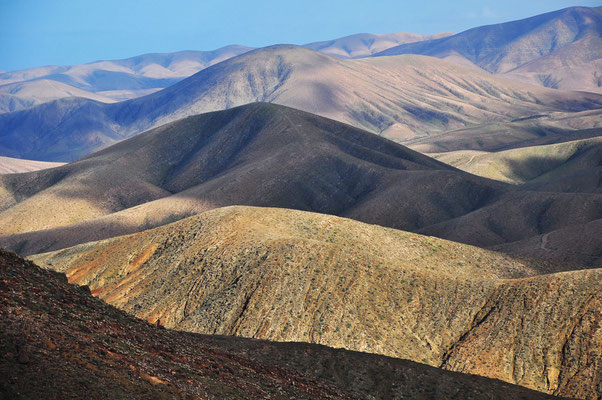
260, 154
533, 130
270, 155
565, 167
398, 97
528, 217
57, 340
290, 275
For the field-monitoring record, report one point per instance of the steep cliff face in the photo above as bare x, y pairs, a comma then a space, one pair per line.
295, 276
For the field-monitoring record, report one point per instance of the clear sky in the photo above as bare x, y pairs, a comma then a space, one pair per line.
57, 32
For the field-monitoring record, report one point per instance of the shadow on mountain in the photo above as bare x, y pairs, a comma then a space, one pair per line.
260, 155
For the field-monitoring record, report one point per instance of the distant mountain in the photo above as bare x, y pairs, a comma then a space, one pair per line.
84, 348
398, 97
558, 50
367, 44
561, 49
130, 77
21, 95
288, 275
118, 80
522, 216
141, 75
17, 165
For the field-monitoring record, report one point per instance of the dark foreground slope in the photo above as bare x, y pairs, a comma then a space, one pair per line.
57, 340
289, 275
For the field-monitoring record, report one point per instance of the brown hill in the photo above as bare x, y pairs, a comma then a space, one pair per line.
398, 97
290, 275
260, 154
57, 340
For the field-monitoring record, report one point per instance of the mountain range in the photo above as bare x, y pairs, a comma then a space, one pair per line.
557, 49
375, 216
398, 97
116, 80
68, 128
127, 78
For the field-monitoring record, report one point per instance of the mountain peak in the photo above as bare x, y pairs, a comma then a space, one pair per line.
502, 47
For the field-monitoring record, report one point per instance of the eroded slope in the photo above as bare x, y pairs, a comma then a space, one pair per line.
58, 341
289, 275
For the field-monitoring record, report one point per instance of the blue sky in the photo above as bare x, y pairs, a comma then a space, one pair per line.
45, 32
